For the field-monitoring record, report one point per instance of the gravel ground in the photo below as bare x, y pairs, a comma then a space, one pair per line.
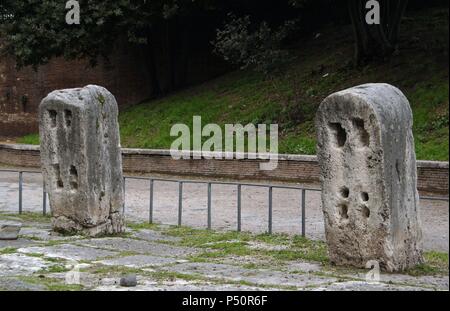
286, 207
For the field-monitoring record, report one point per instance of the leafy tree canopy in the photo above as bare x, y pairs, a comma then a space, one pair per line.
36, 30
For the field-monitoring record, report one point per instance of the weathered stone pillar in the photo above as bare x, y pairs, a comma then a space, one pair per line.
81, 160
368, 174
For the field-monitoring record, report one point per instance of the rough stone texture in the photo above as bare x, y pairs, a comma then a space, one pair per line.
9, 230
367, 286
17, 285
152, 236
30, 268
129, 281
254, 276
44, 234
81, 160
369, 180
140, 247
179, 285
20, 264
138, 261
17, 243
68, 252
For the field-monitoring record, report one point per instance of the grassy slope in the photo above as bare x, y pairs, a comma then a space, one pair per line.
291, 99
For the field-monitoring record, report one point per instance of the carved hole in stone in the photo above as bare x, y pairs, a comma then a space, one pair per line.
102, 194
397, 169
343, 211
52, 114
73, 177
365, 211
68, 117
362, 133
340, 133
105, 138
57, 172
365, 196
344, 192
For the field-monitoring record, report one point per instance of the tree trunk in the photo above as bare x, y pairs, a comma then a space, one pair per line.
377, 40
150, 64
165, 56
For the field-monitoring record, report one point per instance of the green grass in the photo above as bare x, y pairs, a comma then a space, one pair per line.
112, 270
31, 139
51, 284
56, 269
8, 250
436, 263
172, 276
162, 276
231, 243
291, 99
218, 245
141, 226
27, 217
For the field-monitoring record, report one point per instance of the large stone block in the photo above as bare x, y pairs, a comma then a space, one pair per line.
9, 230
81, 160
368, 173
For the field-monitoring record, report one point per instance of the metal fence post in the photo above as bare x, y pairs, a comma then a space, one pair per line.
303, 212
239, 210
209, 206
270, 209
124, 196
20, 191
150, 212
180, 202
44, 201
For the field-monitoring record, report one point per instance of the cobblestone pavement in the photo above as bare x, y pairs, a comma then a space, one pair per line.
286, 207
168, 258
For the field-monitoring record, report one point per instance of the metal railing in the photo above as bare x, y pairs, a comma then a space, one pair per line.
239, 185
20, 181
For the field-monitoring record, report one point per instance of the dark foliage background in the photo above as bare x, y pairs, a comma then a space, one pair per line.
168, 31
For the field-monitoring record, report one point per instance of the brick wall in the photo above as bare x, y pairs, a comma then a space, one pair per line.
22, 90
432, 176
124, 76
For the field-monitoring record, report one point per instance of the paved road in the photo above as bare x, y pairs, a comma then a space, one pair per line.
286, 207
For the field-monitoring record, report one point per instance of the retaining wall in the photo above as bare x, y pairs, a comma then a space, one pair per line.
432, 175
